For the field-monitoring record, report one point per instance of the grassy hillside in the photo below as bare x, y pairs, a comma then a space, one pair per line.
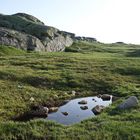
8, 50
87, 68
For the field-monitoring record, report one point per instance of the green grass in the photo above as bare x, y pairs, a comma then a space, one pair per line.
8, 50
90, 69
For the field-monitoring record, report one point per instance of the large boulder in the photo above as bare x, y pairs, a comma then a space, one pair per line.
129, 103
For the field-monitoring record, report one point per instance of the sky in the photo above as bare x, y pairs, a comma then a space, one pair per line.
106, 20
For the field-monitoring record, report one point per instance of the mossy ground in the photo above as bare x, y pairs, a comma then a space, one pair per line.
88, 68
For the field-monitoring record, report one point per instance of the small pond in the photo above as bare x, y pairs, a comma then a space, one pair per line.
75, 113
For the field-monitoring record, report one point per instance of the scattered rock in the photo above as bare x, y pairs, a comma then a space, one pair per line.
84, 107
73, 93
65, 93
32, 99
99, 95
94, 100
55, 96
98, 109
65, 113
53, 109
39, 111
82, 102
20, 86
129, 103
105, 97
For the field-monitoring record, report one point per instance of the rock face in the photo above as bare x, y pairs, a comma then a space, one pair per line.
129, 103
20, 40
59, 43
27, 32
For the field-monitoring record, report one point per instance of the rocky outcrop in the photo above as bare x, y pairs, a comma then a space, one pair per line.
88, 39
59, 43
35, 35
129, 103
29, 18
20, 40
31, 33
82, 102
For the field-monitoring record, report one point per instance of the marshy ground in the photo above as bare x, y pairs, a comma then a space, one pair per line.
87, 68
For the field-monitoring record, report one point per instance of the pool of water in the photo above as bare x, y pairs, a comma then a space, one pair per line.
75, 113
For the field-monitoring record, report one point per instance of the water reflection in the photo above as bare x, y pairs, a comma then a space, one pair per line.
75, 111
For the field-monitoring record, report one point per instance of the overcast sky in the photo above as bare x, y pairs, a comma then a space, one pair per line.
106, 20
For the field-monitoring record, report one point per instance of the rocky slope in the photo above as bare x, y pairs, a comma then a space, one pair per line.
29, 33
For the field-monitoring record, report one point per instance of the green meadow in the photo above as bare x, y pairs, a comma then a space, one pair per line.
87, 68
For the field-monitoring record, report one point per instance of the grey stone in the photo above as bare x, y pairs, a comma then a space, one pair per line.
98, 109
105, 97
82, 102
20, 40
99, 95
84, 107
88, 39
129, 103
65, 113
58, 44
73, 93
53, 109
